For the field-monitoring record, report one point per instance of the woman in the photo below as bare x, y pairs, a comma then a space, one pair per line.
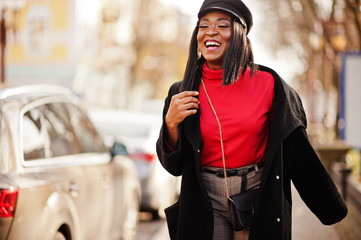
230, 113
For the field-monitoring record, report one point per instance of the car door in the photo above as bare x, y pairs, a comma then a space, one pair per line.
98, 172
63, 152
83, 164
48, 197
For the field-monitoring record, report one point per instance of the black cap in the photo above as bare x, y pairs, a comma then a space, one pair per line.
234, 7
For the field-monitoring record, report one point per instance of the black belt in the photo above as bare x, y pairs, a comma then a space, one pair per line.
233, 172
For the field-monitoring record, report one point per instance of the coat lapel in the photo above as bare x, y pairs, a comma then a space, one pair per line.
192, 131
192, 126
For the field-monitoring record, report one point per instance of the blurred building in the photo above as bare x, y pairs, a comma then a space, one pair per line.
106, 53
130, 52
40, 42
113, 53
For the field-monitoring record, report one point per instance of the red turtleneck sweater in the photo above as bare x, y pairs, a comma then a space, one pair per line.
244, 110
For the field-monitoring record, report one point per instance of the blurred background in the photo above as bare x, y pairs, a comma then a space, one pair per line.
124, 55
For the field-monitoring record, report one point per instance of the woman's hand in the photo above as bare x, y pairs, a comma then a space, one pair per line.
181, 106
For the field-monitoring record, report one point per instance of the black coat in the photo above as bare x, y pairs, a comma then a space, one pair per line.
288, 156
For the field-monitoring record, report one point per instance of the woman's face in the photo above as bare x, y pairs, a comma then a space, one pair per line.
214, 35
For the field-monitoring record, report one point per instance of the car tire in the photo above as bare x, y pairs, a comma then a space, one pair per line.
59, 236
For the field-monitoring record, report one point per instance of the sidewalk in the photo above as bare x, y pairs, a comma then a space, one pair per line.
305, 225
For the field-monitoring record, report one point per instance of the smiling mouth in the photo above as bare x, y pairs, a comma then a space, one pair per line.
209, 44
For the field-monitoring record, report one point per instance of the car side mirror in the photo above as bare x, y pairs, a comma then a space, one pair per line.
119, 148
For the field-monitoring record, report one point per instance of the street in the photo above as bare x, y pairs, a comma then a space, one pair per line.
305, 225
151, 229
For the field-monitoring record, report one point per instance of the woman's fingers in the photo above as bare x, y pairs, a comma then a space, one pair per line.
185, 100
182, 105
185, 94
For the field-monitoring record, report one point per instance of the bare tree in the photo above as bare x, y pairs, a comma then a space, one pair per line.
317, 33
160, 45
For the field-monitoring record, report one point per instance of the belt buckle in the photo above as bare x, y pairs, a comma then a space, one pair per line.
220, 173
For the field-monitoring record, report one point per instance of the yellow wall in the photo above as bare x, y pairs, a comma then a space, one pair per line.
59, 10
52, 48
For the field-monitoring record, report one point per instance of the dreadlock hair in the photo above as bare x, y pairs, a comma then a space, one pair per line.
239, 57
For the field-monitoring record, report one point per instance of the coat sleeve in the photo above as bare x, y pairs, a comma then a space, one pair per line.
170, 160
312, 181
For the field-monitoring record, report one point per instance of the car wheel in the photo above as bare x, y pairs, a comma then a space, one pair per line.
59, 236
131, 219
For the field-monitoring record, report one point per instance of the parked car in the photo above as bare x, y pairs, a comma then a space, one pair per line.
134, 134
58, 181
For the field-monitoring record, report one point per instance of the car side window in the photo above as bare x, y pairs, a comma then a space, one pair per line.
61, 133
85, 132
58, 129
34, 137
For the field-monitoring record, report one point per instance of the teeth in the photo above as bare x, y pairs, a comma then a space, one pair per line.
212, 43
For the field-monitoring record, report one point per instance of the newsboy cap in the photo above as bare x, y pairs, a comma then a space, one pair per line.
234, 7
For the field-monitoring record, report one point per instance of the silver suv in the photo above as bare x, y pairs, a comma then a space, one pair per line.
57, 179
